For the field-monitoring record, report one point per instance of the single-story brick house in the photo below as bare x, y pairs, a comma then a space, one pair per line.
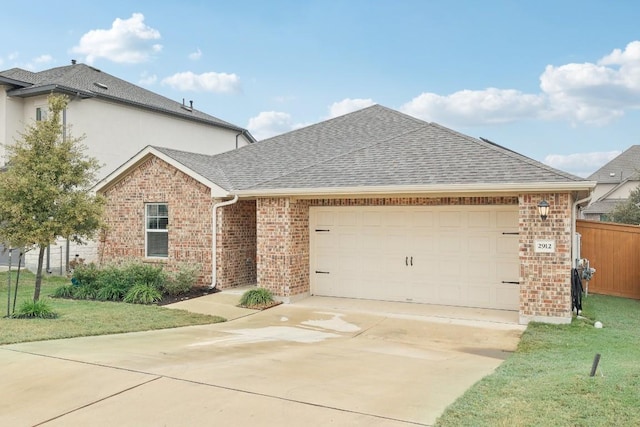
374, 204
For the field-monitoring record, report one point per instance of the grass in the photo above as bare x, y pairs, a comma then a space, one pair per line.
547, 382
82, 318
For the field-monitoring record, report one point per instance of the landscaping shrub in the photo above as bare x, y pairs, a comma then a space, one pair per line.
113, 283
182, 280
112, 292
256, 297
35, 310
85, 291
143, 294
64, 291
145, 274
85, 274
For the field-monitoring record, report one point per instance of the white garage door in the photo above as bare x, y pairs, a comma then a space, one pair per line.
452, 255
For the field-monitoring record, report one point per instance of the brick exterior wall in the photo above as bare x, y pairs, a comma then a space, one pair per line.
545, 293
236, 244
190, 225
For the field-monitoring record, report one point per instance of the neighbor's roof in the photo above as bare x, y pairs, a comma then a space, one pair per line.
622, 168
603, 206
87, 82
374, 148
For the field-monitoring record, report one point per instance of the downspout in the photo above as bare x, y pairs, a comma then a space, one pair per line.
241, 133
214, 239
574, 217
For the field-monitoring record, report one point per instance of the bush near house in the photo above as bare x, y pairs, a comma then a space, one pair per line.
135, 283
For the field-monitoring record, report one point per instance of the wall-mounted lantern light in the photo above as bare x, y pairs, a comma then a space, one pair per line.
543, 209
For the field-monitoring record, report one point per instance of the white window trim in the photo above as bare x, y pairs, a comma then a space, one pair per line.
149, 230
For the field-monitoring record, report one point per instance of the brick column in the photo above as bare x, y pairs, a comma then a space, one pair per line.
545, 292
282, 237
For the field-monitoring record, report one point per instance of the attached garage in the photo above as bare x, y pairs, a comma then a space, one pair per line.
451, 255
374, 204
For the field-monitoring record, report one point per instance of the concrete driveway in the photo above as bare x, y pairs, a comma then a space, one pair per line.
318, 362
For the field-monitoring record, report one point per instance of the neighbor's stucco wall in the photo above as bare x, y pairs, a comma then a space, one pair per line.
116, 132
12, 120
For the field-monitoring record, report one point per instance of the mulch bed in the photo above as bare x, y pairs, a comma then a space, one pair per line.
261, 306
193, 293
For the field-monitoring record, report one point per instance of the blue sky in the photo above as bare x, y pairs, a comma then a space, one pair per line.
558, 81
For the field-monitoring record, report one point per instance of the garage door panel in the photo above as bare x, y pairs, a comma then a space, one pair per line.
507, 245
480, 244
479, 219
441, 255
450, 243
507, 219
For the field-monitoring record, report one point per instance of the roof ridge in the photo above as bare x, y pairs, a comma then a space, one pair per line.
332, 119
499, 148
355, 150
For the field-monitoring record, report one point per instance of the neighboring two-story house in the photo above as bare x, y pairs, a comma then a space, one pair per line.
117, 117
615, 181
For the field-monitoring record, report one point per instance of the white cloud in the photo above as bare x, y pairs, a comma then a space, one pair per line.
147, 79
194, 56
348, 105
43, 59
127, 41
581, 164
593, 93
207, 82
271, 123
475, 107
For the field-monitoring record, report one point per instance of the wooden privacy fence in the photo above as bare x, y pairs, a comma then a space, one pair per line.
614, 251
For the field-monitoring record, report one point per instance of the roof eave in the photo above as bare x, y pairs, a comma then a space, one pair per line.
27, 92
117, 175
13, 82
474, 189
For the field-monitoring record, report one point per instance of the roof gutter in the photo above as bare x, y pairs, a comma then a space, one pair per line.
214, 239
421, 189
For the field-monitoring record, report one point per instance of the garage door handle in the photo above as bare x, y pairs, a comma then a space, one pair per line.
321, 272
406, 261
411, 261
512, 283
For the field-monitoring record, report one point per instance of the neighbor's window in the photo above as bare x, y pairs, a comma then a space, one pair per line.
40, 114
157, 233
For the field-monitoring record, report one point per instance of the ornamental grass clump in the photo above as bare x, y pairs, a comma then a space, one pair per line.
35, 310
257, 298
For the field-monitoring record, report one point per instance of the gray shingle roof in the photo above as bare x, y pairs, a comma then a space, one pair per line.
603, 206
87, 81
375, 146
623, 167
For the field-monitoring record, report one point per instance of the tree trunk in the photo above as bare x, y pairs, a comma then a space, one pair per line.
36, 292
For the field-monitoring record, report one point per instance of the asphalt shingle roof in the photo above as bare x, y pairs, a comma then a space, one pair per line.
625, 166
602, 206
88, 81
375, 146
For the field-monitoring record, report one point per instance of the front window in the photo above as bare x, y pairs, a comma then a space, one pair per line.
157, 230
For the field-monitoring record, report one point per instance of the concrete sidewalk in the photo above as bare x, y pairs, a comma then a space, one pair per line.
314, 363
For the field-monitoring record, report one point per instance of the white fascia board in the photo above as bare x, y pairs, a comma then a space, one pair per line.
512, 188
115, 176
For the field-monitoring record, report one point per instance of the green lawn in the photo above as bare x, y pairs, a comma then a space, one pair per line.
82, 318
546, 381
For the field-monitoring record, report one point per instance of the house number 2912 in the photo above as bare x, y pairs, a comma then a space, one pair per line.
545, 246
